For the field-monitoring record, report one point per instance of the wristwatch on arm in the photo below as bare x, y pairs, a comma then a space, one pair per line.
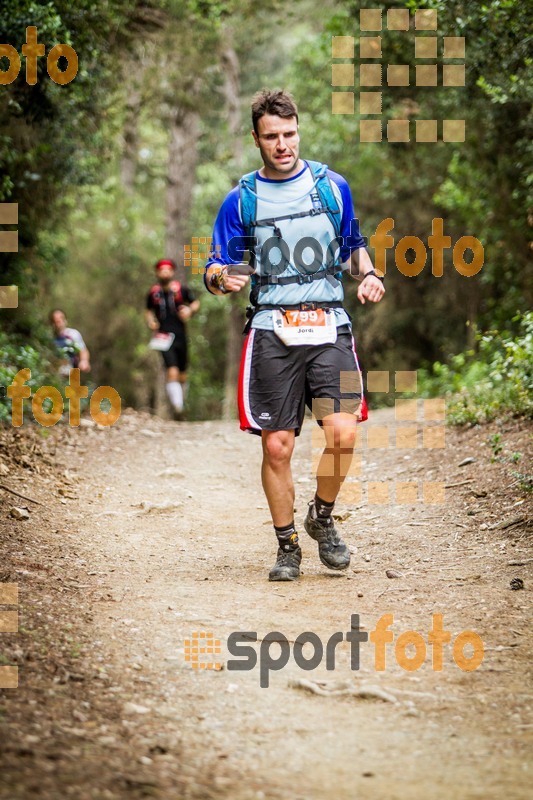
373, 272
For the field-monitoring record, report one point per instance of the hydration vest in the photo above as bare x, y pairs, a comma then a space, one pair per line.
158, 298
324, 202
324, 189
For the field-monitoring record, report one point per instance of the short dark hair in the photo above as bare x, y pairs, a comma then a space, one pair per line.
277, 102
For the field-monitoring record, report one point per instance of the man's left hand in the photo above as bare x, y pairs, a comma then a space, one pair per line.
370, 288
184, 313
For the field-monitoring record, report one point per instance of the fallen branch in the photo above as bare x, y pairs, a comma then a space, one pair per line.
459, 483
393, 589
340, 688
18, 494
507, 523
412, 693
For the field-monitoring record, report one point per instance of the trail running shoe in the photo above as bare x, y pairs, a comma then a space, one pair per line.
332, 551
287, 566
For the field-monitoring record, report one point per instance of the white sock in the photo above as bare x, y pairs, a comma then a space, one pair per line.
175, 395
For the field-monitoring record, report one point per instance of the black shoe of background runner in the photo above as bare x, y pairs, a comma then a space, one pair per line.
287, 566
332, 551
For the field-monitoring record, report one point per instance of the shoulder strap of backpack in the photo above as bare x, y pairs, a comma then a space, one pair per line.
326, 194
175, 287
248, 198
156, 294
322, 183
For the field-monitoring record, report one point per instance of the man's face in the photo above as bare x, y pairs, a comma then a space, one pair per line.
279, 143
59, 321
165, 274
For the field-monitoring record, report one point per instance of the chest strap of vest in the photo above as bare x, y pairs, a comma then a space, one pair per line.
310, 306
271, 223
283, 280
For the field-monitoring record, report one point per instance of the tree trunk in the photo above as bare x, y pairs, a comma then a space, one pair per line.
133, 78
130, 136
182, 157
230, 66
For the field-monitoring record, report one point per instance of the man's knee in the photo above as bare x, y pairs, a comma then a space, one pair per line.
278, 447
341, 432
347, 437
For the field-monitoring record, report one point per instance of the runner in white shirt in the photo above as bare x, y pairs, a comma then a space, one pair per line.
69, 342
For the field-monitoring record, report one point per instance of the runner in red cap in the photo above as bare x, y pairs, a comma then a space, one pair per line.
169, 306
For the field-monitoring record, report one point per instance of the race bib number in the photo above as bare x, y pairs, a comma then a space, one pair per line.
305, 327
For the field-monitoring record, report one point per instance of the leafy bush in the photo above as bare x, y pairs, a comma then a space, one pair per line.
14, 356
497, 380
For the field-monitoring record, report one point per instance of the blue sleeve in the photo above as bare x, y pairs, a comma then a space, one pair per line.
228, 226
351, 235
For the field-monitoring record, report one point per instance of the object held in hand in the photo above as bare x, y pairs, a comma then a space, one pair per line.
240, 269
161, 341
217, 278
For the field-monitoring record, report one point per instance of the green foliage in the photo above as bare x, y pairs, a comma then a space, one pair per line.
495, 442
487, 188
524, 480
16, 355
52, 138
494, 381
88, 245
114, 243
480, 187
207, 342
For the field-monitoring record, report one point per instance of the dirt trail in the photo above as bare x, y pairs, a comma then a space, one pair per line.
141, 579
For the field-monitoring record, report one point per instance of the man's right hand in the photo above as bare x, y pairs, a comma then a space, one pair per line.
234, 283
227, 278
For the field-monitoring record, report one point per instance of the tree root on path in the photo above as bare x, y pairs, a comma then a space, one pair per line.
339, 688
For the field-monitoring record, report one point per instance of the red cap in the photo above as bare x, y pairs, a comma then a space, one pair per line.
165, 262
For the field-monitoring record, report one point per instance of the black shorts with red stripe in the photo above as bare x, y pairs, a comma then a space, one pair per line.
276, 382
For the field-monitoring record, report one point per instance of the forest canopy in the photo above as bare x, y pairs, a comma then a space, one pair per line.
132, 158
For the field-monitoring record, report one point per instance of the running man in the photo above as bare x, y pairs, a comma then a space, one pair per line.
169, 306
299, 348
69, 342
